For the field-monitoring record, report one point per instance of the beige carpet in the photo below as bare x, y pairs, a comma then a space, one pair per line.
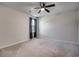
41, 48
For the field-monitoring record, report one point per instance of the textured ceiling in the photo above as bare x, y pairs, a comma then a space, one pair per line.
27, 7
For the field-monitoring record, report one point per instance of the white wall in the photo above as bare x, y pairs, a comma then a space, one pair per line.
14, 26
59, 27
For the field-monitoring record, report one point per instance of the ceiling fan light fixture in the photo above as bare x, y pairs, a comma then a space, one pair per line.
42, 9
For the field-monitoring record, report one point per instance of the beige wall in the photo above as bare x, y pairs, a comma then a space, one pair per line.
14, 26
59, 27
78, 25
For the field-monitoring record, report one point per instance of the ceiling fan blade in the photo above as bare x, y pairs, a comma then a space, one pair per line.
47, 10
39, 11
52, 5
37, 8
40, 3
43, 4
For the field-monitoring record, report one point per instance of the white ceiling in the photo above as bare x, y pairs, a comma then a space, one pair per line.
27, 7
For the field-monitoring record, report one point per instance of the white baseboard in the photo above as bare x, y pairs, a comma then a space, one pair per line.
8, 45
69, 42
64, 41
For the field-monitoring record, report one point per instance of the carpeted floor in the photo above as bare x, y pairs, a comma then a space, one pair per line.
41, 48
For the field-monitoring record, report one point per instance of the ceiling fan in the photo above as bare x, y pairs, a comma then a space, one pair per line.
43, 7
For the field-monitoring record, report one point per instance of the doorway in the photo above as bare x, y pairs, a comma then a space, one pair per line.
32, 28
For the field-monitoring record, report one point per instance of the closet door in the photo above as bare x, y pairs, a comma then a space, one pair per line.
30, 28
35, 33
